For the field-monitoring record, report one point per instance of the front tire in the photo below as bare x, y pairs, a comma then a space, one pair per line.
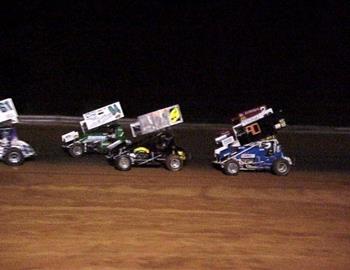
281, 167
122, 163
231, 167
174, 163
76, 150
14, 157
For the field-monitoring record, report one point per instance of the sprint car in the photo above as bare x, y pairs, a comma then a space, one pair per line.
13, 151
252, 144
260, 155
100, 131
158, 145
98, 140
156, 149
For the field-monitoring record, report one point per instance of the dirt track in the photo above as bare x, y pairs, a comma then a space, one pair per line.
63, 213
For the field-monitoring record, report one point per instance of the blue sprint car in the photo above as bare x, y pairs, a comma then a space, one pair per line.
264, 154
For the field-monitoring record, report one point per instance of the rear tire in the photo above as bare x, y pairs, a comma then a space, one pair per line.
174, 163
231, 167
122, 163
14, 157
76, 150
281, 167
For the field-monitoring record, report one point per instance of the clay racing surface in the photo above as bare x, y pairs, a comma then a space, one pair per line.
57, 212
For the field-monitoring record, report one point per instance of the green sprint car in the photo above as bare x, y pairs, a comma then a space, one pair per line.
98, 140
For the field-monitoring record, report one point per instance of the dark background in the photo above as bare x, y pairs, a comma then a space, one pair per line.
214, 58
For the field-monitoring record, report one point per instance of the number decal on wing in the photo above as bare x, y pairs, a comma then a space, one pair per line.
5, 106
114, 109
174, 115
253, 129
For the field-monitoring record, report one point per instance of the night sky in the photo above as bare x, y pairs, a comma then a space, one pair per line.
214, 58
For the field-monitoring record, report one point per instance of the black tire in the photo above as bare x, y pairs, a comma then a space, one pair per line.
14, 157
76, 150
122, 163
174, 163
231, 167
281, 167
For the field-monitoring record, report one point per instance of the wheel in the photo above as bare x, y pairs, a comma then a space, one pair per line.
281, 167
122, 163
173, 163
14, 157
76, 150
231, 167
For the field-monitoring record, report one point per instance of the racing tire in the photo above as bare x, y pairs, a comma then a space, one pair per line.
281, 167
76, 150
173, 163
14, 157
231, 167
122, 163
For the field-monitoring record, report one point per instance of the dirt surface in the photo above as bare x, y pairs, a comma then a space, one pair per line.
62, 213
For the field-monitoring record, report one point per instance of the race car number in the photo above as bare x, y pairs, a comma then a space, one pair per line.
253, 129
5, 106
8, 111
103, 115
174, 115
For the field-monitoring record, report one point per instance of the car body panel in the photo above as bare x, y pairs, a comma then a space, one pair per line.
9, 139
150, 150
258, 155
